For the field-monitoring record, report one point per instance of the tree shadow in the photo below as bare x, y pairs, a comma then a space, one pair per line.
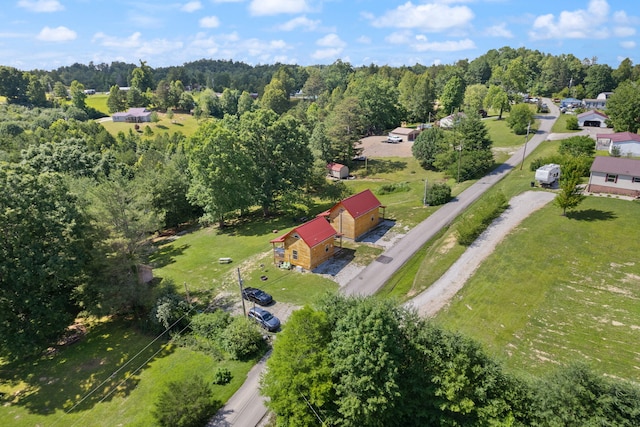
591, 215
167, 254
162, 127
377, 166
97, 368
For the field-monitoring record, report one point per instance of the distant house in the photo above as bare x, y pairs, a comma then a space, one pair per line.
89, 91
306, 246
592, 118
570, 102
448, 122
133, 115
628, 143
338, 171
615, 175
355, 215
408, 134
594, 104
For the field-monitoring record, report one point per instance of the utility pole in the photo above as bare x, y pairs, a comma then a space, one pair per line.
244, 309
424, 201
524, 151
187, 292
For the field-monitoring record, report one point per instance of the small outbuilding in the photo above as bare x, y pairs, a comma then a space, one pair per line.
407, 134
337, 170
449, 121
615, 175
592, 118
355, 215
306, 246
570, 103
627, 143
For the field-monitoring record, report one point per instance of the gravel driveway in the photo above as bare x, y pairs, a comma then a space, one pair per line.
429, 302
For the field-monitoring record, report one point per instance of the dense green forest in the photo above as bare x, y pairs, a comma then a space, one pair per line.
78, 205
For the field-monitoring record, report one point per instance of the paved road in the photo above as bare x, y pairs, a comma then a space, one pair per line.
246, 407
376, 274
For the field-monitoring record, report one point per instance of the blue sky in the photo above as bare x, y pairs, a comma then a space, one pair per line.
46, 34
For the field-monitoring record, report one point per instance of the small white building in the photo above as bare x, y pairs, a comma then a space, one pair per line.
628, 143
449, 121
337, 171
592, 118
407, 134
615, 175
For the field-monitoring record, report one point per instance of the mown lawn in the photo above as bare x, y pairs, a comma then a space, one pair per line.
559, 290
111, 377
99, 102
184, 123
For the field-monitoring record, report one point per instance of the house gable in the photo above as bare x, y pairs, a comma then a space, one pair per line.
615, 175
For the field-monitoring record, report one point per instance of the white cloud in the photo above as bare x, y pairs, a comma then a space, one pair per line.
276, 7
209, 22
629, 44
624, 31
300, 22
326, 53
331, 40
133, 41
577, 24
192, 6
499, 31
135, 47
41, 5
364, 40
399, 37
432, 17
422, 44
58, 34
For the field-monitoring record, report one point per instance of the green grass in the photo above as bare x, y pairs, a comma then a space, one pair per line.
185, 123
560, 125
99, 102
559, 290
48, 391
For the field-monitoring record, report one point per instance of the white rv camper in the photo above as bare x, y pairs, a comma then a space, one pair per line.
548, 175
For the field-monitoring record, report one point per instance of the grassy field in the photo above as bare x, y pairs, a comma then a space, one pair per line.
185, 123
99, 102
49, 391
559, 290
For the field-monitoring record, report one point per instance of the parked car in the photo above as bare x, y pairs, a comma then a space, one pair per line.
264, 318
482, 113
394, 138
257, 295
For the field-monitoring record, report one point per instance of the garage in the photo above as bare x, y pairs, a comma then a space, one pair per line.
592, 118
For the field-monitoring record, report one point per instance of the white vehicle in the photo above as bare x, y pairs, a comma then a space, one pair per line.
394, 139
548, 175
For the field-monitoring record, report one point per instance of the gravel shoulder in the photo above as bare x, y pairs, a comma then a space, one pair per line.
438, 295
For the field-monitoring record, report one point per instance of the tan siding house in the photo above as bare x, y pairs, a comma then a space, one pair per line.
615, 175
355, 215
306, 246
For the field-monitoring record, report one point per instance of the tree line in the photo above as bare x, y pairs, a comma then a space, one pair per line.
367, 362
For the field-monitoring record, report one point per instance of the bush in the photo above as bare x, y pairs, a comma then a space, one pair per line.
438, 194
572, 123
472, 226
210, 325
398, 187
186, 403
222, 376
241, 338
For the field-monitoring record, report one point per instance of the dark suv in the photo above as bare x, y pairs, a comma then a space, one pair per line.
265, 319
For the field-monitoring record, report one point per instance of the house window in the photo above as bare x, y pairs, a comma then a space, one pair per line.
636, 179
373, 217
294, 254
326, 248
612, 178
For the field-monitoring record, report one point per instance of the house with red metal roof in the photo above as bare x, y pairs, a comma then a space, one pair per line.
627, 143
306, 246
615, 175
355, 215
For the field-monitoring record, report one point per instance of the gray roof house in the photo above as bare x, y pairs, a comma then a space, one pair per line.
615, 175
133, 115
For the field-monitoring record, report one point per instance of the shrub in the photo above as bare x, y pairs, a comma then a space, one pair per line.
241, 338
471, 226
210, 325
185, 403
398, 187
572, 123
438, 194
222, 376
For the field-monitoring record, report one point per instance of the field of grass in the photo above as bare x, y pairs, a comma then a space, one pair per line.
99, 102
185, 123
560, 289
560, 126
76, 387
